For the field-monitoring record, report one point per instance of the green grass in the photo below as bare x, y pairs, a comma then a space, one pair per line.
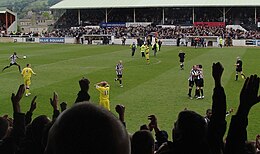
159, 88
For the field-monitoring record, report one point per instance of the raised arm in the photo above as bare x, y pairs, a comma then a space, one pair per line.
54, 103
16, 99
160, 135
28, 115
237, 134
120, 109
19, 118
217, 124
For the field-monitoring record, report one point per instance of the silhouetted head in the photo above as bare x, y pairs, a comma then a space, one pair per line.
142, 142
190, 127
144, 127
37, 127
14, 53
208, 113
189, 133
250, 147
88, 129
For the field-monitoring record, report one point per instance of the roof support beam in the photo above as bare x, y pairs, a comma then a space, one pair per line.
163, 16
224, 14
106, 15
79, 20
193, 15
134, 15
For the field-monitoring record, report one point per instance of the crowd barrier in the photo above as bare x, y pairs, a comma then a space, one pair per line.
170, 42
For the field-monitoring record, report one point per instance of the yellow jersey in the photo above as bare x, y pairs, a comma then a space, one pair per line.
147, 49
104, 92
142, 48
27, 72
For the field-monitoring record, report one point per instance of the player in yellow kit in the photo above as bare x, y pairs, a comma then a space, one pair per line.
142, 49
103, 88
27, 74
147, 49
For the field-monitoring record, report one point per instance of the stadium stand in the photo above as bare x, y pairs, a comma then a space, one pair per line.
165, 12
8, 21
181, 19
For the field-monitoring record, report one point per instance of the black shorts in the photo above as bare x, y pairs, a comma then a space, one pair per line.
196, 82
239, 69
13, 64
119, 76
200, 83
181, 60
191, 83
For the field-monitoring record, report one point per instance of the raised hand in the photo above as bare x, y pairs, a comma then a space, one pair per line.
54, 101
120, 109
16, 98
217, 71
249, 94
153, 122
33, 104
63, 106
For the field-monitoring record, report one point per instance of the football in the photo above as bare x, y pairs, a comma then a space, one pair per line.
24, 57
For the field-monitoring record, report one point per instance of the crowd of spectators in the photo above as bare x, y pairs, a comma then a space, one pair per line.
160, 32
88, 128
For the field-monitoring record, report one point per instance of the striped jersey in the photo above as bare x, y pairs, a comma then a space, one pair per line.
119, 69
193, 75
200, 73
13, 58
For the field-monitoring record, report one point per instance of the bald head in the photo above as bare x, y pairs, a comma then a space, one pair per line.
87, 128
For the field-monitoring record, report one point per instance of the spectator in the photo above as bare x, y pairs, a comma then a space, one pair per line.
33, 144
10, 143
120, 109
237, 134
161, 135
208, 115
3, 127
142, 142
86, 128
83, 93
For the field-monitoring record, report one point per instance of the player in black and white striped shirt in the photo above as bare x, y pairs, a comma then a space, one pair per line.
119, 72
193, 74
13, 59
199, 83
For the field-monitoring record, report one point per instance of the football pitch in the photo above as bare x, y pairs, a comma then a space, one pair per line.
159, 88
